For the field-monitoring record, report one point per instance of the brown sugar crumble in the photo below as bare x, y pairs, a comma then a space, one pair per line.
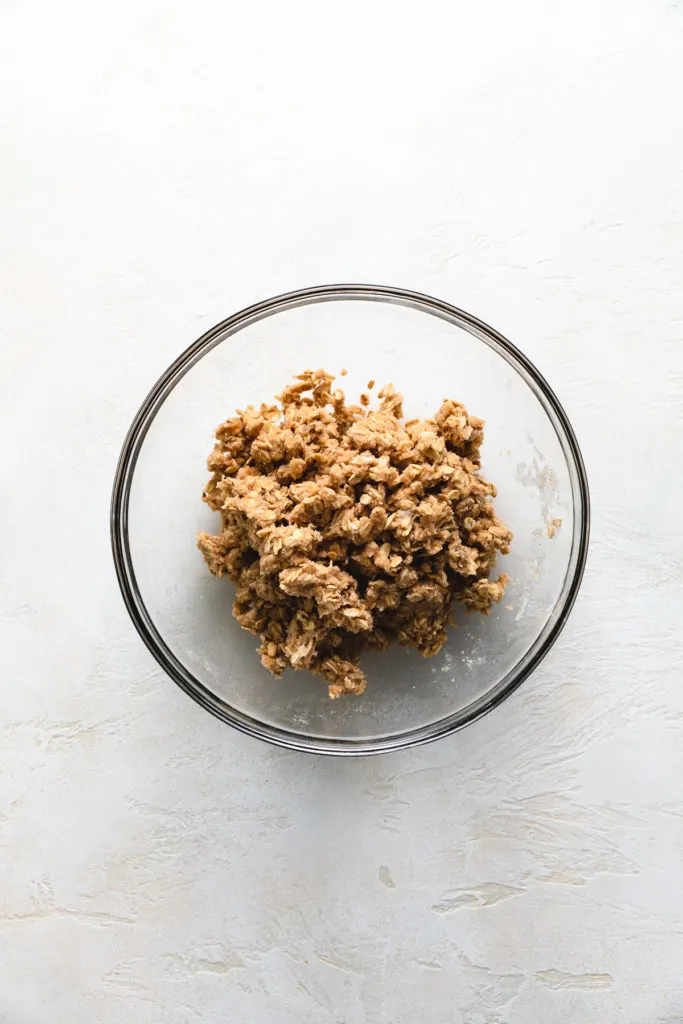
344, 528
553, 527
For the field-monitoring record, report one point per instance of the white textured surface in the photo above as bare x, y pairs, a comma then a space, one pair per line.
161, 168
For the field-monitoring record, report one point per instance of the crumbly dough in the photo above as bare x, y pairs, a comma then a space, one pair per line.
344, 528
553, 527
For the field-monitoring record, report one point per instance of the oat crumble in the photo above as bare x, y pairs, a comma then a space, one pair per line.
344, 527
553, 527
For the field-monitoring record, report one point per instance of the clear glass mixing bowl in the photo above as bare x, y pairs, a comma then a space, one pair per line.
430, 350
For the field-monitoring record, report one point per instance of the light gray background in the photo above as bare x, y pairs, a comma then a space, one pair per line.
162, 166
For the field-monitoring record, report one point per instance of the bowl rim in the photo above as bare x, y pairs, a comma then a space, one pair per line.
222, 331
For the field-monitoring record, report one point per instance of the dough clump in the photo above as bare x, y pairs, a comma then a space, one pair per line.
345, 528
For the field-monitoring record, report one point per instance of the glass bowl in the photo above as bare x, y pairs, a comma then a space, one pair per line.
430, 350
